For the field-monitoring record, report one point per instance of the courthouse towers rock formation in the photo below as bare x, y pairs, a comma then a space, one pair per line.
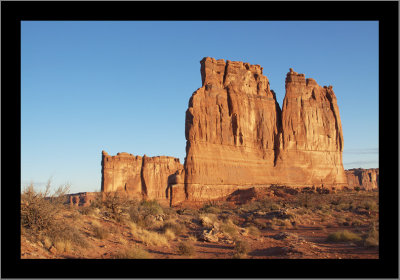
239, 137
237, 134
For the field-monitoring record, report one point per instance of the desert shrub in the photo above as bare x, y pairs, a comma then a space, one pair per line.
173, 226
169, 234
39, 209
228, 228
185, 248
254, 231
151, 207
207, 220
343, 236
133, 253
241, 247
372, 237
63, 246
114, 204
148, 237
370, 205
357, 223
87, 210
258, 223
210, 207
143, 213
100, 232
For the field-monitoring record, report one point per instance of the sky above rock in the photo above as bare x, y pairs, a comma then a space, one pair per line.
124, 86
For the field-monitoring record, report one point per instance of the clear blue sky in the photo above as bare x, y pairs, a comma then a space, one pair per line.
124, 86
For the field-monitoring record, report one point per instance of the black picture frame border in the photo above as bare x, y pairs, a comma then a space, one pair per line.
13, 12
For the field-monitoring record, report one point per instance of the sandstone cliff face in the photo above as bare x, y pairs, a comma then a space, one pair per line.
365, 179
311, 141
237, 135
140, 177
231, 126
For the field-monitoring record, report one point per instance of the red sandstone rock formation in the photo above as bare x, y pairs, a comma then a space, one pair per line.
365, 179
140, 177
311, 142
237, 135
81, 199
231, 128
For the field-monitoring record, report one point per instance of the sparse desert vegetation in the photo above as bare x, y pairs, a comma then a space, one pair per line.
288, 225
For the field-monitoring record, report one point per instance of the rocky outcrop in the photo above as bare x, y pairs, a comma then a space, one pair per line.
81, 199
311, 141
237, 135
140, 177
232, 125
364, 179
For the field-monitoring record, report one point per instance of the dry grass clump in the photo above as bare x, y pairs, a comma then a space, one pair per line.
144, 213
372, 237
229, 229
186, 248
63, 246
100, 232
254, 231
133, 253
169, 234
173, 226
211, 207
148, 237
208, 220
343, 236
88, 210
241, 249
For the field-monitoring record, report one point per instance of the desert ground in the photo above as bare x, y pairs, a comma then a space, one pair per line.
276, 222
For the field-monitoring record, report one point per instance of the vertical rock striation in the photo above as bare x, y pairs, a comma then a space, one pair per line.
238, 136
231, 128
365, 179
140, 177
311, 141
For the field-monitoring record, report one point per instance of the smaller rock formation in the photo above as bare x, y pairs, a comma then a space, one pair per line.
365, 179
140, 177
81, 199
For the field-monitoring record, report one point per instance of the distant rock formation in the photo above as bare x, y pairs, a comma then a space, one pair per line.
140, 177
364, 179
81, 199
237, 135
